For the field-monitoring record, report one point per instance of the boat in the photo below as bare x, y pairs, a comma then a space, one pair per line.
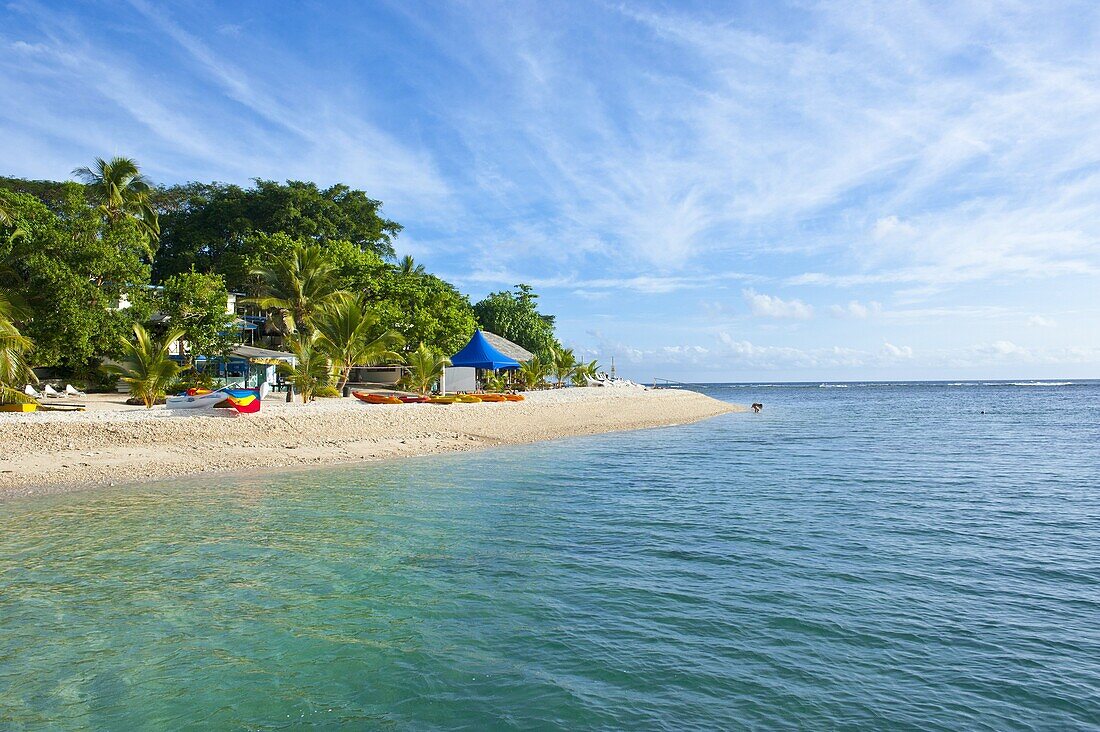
467, 399
492, 397
514, 397
245, 401
198, 401
375, 398
413, 399
442, 400
18, 407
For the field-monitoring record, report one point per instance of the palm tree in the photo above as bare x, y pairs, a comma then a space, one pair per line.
345, 328
14, 368
533, 373
146, 365
408, 267
563, 364
298, 286
585, 371
424, 367
121, 190
312, 368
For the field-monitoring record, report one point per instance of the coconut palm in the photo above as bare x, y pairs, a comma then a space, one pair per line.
346, 331
14, 368
312, 368
562, 364
533, 373
408, 267
424, 367
298, 286
585, 371
121, 190
146, 365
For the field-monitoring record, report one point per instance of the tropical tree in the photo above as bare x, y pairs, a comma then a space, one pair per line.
408, 267
424, 367
121, 190
146, 365
515, 316
312, 368
298, 286
348, 332
14, 369
76, 269
562, 364
195, 303
585, 371
533, 373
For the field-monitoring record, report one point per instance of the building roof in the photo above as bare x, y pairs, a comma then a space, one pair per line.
509, 349
480, 354
252, 353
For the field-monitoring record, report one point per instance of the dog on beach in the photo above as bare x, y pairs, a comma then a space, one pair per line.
757, 407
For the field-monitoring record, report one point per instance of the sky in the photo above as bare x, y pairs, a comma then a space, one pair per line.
745, 191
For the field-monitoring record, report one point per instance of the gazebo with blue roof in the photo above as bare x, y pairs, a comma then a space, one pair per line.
480, 354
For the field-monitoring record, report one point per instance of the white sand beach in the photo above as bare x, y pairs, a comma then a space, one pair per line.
112, 443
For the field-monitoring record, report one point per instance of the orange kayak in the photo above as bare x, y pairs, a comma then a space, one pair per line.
513, 397
375, 398
492, 397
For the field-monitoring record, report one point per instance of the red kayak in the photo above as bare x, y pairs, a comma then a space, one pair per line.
413, 399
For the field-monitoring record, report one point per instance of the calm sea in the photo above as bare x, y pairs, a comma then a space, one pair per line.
860, 556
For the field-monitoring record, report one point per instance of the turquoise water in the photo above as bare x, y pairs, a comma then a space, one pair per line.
869, 557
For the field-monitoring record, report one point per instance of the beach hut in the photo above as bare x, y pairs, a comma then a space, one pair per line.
480, 354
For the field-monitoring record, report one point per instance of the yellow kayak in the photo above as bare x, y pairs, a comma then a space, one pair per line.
18, 407
467, 399
441, 400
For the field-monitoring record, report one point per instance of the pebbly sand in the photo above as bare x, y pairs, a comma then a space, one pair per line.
111, 443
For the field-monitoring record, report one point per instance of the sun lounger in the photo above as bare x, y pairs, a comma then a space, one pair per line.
52, 393
70, 390
32, 392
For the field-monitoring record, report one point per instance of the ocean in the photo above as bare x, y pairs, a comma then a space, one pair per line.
857, 556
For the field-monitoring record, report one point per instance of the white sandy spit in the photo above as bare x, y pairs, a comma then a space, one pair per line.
112, 444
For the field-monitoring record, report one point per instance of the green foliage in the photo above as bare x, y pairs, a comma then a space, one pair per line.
326, 392
203, 224
298, 286
195, 303
14, 369
146, 366
313, 369
422, 308
73, 268
424, 367
120, 189
515, 316
350, 334
532, 374
562, 364
584, 371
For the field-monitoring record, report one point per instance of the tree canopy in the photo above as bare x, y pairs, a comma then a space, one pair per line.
204, 223
86, 261
515, 316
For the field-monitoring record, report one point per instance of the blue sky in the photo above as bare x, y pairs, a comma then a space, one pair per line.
706, 191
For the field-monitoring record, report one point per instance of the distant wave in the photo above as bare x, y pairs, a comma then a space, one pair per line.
1041, 383
832, 386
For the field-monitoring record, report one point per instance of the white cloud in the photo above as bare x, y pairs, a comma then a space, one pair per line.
856, 309
892, 351
1040, 321
769, 306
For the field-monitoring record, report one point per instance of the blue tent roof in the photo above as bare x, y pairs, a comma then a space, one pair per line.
480, 354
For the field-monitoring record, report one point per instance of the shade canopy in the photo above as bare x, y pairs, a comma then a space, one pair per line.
480, 354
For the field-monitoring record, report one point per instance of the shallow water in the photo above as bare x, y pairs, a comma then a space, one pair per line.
872, 557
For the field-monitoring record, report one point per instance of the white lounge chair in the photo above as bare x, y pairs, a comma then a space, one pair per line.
52, 393
70, 390
32, 392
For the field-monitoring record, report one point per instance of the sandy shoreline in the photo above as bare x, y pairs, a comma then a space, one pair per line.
111, 444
